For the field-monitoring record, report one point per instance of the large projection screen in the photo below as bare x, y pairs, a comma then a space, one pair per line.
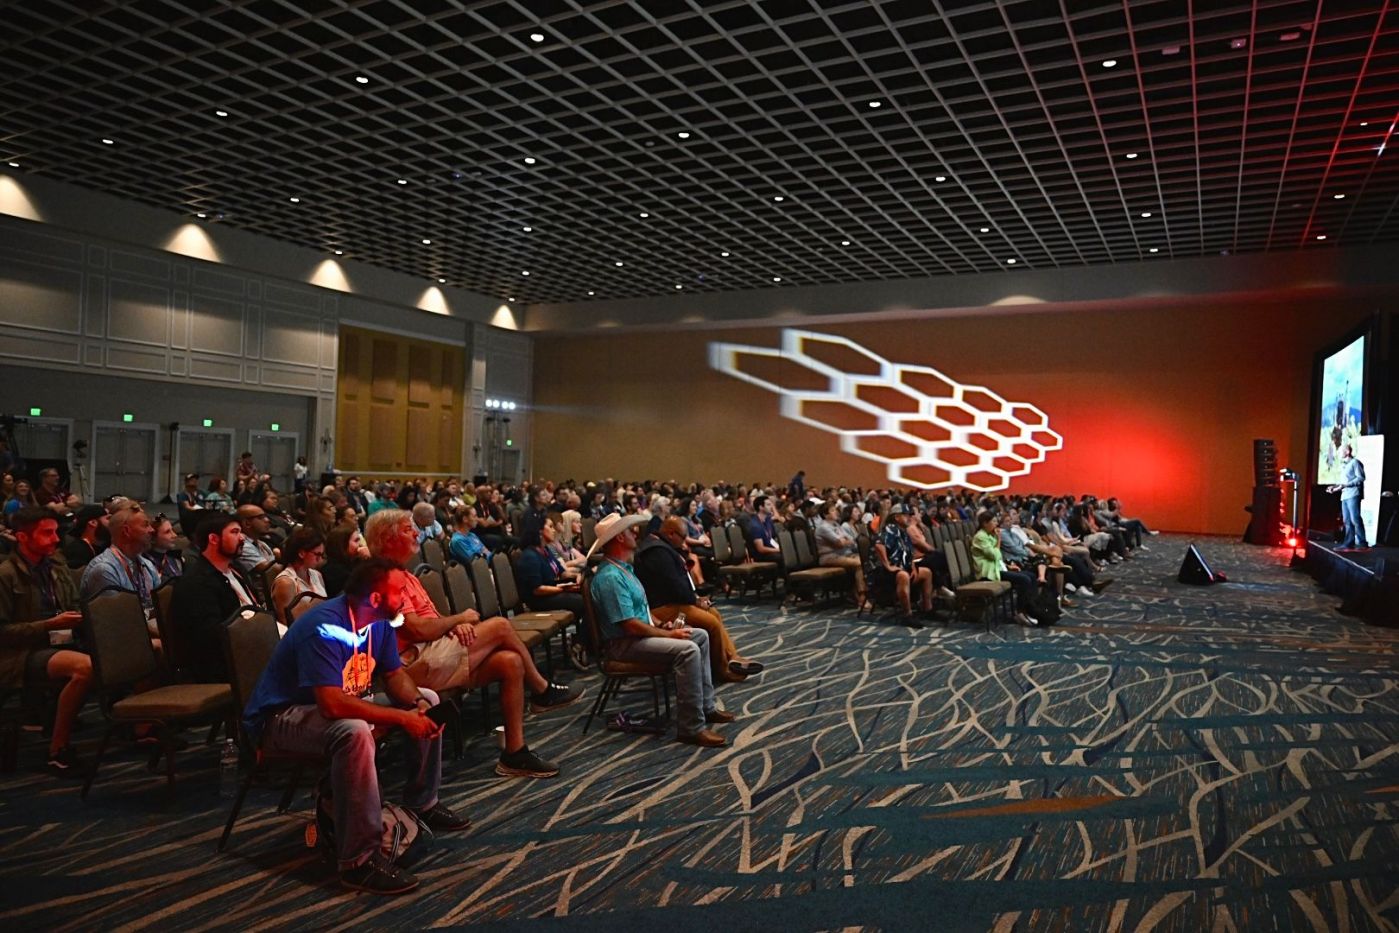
1342, 389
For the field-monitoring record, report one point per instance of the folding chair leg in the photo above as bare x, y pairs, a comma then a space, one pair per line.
97, 759
598, 704
655, 698
167, 745
237, 806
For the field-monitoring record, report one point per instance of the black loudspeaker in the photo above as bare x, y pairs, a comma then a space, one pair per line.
1195, 571
1265, 527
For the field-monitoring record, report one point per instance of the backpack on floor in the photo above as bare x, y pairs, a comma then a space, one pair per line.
401, 829
1044, 608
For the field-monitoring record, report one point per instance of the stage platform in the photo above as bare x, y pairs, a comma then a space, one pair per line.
1367, 580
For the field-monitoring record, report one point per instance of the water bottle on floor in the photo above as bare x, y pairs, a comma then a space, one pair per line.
228, 770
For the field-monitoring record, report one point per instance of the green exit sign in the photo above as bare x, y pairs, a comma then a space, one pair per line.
509, 442
276, 426
128, 417
35, 412
208, 422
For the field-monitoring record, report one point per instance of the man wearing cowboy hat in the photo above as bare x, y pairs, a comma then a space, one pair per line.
632, 634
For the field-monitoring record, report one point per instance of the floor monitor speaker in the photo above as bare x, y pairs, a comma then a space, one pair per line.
1195, 571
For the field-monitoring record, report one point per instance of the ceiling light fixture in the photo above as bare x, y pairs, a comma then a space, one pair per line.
618, 264
527, 229
1238, 43
1146, 213
294, 200
643, 215
1170, 50
1010, 262
1364, 122
441, 281
939, 178
590, 294
426, 241
777, 278
108, 142
403, 181
201, 215
524, 272
778, 197
536, 37
1338, 197
875, 104
844, 242
725, 255
985, 229
220, 113
1153, 250
339, 252
530, 160
1290, 36
678, 287
361, 79
1110, 63
1132, 155
1321, 236
683, 135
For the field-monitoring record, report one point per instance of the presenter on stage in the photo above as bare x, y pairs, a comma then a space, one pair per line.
1352, 490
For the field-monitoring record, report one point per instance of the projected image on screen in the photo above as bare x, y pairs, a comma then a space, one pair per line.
1342, 379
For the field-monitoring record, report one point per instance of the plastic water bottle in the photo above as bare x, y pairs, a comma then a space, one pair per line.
228, 770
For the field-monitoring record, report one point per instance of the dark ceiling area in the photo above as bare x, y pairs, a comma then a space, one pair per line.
600, 149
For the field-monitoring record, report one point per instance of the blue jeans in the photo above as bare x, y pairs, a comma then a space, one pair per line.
1355, 527
689, 658
354, 779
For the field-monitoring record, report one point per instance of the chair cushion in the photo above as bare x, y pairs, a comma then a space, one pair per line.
561, 616
177, 701
983, 588
546, 627
634, 669
531, 639
817, 573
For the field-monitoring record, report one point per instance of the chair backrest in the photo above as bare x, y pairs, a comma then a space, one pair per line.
589, 533
459, 588
737, 543
863, 543
433, 556
788, 549
516, 517
723, 554
249, 640
590, 616
436, 591
114, 630
954, 563
269, 576
506, 589
171, 645
487, 603
806, 557
298, 606
939, 536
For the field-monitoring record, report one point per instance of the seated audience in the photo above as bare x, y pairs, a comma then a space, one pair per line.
1016, 550
212, 588
425, 523
836, 548
192, 497
893, 562
21, 497
256, 551
464, 545
356, 498
568, 534
88, 537
49, 494
303, 553
124, 565
661, 566
218, 498
762, 533
546, 585
165, 554
320, 514
989, 565
38, 612
631, 633
462, 650
344, 548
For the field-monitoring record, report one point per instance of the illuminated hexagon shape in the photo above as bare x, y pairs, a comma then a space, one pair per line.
952, 414
1027, 415
924, 475
786, 374
886, 397
983, 441
926, 430
838, 416
925, 381
834, 353
1005, 428
1046, 439
988, 480
956, 457
885, 447
981, 399
1011, 466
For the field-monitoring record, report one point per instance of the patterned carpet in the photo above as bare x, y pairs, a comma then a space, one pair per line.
1171, 758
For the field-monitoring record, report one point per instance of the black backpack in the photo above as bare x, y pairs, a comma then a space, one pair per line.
401, 829
1044, 608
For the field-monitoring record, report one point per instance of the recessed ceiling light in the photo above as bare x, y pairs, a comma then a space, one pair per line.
777, 278
1146, 213
510, 299
403, 181
678, 287
618, 264
294, 200
1010, 262
643, 215
108, 142
985, 229
527, 229
1131, 155
1153, 250
778, 197
1238, 43
1110, 63
683, 135
536, 37
339, 252
1290, 36
201, 215
14, 165
361, 79
426, 241
875, 104
844, 242
524, 272
441, 281
220, 113
725, 255
1170, 50
939, 178
1321, 236
529, 160
592, 293
1339, 197
1364, 122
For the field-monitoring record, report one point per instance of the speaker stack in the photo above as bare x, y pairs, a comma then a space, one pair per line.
1265, 527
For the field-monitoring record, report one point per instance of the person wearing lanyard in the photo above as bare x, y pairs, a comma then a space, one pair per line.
124, 564
38, 599
544, 583
164, 553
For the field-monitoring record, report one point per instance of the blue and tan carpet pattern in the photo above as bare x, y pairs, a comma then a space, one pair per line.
1168, 757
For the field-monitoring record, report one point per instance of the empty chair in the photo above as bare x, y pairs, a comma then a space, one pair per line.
432, 554
803, 581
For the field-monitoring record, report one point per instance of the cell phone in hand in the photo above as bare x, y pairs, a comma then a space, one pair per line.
438, 714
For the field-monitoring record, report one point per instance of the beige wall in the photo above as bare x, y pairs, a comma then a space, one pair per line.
1158, 403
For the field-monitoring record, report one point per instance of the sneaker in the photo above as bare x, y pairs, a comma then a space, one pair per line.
945, 593
1153, 532
65, 762
1025, 620
1070, 588
524, 763
1100, 585
441, 818
378, 877
622, 722
1143, 548
555, 696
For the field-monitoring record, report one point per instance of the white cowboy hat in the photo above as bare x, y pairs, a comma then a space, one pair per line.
612, 525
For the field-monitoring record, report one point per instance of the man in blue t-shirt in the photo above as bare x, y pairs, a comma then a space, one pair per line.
314, 698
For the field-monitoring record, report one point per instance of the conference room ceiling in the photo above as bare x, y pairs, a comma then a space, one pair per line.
551, 151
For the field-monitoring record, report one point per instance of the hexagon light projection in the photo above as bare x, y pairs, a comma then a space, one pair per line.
929, 430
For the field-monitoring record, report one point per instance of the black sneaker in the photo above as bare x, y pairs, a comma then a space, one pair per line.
555, 696
524, 763
66, 763
441, 818
378, 877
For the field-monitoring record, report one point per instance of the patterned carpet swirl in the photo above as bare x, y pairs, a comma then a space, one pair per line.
1167, 757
